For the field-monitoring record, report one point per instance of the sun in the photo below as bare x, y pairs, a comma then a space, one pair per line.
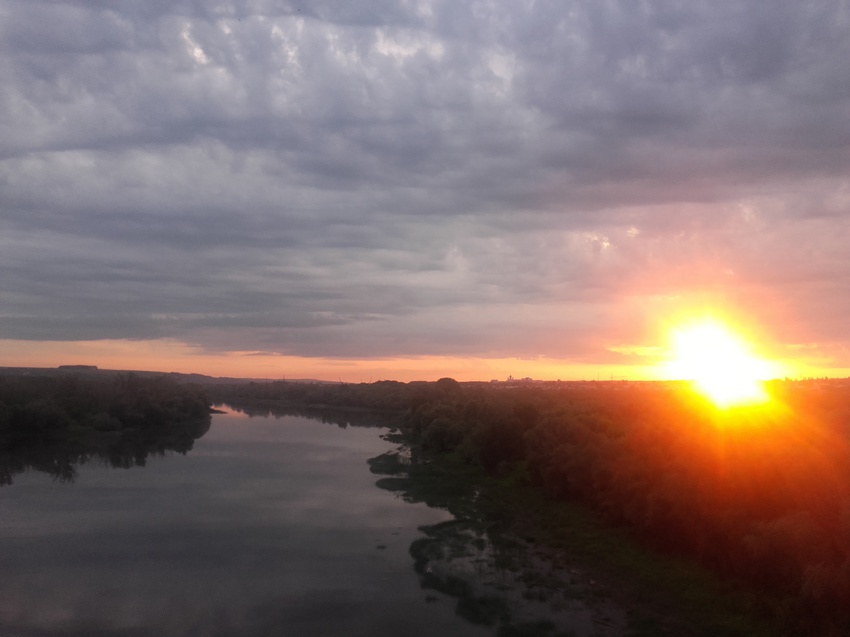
718, 362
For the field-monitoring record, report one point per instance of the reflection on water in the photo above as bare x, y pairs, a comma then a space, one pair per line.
334, 415
61, 453
269, 526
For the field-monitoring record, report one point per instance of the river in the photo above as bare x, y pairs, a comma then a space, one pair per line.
268, 526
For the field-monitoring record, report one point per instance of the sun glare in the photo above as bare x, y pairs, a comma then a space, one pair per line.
718, 363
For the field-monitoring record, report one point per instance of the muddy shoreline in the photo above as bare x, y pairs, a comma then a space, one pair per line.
529, 566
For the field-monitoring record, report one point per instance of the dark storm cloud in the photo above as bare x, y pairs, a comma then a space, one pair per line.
389, 177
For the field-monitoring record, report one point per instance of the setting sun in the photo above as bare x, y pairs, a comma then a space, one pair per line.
718, 363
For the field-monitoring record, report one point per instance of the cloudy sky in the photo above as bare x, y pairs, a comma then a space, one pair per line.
414, 188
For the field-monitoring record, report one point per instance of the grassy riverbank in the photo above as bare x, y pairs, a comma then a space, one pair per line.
557, 550
663, 594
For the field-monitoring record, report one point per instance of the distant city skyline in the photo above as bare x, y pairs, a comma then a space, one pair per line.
412, 190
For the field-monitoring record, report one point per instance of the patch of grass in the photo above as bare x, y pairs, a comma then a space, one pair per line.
675, 596
680, 595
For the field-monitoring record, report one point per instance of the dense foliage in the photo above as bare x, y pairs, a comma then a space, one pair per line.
761, 494
384, 395
54, 423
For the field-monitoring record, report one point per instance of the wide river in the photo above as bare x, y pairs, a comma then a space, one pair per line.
268, 526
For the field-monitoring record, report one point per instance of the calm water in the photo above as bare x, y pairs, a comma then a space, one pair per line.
269, 526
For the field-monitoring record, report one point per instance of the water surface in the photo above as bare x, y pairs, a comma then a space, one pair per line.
268, 526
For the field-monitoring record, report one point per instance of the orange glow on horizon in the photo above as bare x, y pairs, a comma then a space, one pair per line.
175, 356
167, 355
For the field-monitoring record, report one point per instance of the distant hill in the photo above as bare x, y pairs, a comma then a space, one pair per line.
94, 371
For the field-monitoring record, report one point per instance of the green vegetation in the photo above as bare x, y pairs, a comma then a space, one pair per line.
555, 553
389, 396
758, 496
639, 478
54, 423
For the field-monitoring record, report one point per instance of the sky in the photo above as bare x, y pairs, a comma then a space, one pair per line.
406, 189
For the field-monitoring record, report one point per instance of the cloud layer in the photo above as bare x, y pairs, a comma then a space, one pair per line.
405, 178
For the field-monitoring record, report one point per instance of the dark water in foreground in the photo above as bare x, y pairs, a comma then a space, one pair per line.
269, 526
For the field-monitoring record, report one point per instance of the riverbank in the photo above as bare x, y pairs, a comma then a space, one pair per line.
531, 565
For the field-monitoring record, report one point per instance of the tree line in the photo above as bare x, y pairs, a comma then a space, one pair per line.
55, 423
760, 494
